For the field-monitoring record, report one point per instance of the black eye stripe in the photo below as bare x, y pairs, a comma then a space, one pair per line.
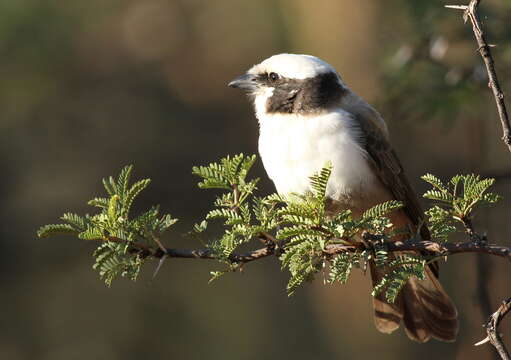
271, 78
304, 95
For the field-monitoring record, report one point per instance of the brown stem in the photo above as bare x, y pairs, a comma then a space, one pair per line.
158, 253
469, 229
421, 246
470, 13
236, 195
433, 247
492, 330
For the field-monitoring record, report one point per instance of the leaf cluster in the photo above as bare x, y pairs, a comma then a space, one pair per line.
309, 228
116, 230
456, 202
299, 228
301, 223
243, 216
398, 272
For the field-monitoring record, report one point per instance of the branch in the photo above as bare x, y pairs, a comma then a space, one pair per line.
434, 248
158, 253
491, 329
470, 12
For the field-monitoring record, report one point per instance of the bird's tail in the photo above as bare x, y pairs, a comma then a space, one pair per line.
423, 305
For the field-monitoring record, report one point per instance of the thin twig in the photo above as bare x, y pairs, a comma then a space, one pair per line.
470, 13
236, 196
484, 271
492, 330
469, 229
147, 251
436, 249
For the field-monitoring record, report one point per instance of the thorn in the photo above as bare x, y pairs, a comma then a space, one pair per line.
160, 263
484, 341
457, 7
160, 245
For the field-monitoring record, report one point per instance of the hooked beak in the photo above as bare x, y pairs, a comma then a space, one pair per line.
247, 82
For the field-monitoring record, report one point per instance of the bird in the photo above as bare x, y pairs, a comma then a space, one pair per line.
309, 117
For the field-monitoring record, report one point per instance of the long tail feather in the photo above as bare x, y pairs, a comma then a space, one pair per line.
423, 305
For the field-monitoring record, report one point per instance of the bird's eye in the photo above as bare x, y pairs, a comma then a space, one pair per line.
273, 76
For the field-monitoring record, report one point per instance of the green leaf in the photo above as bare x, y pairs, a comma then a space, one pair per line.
76, 221
382, 209
123, 182
99, 202
110, 186
393, 281
319, 181
56, 229
435, 182
91, 234
439, 196
340, 268
165, 223
200, 227
112, 208
132, 193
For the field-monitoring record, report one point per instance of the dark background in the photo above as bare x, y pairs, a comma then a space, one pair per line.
87, 87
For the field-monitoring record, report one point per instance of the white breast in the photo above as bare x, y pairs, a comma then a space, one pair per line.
293, 147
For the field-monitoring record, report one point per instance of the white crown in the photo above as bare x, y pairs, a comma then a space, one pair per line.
293, 66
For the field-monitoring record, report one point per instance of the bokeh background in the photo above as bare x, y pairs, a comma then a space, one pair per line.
87, 87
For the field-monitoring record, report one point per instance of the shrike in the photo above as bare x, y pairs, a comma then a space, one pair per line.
308, 117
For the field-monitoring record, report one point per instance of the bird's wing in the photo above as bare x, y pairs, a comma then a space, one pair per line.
389, 169
390, 172
420, 324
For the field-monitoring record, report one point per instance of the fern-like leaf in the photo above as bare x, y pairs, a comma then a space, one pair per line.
56, 229
319, 181
382, 209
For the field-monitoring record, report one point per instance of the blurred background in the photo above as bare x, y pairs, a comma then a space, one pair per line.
90, 86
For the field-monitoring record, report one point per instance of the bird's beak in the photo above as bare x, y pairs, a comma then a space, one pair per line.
247, 82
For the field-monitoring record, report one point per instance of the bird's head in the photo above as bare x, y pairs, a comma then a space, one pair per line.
292, 84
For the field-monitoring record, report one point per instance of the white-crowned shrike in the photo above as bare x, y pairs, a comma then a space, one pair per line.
308, 117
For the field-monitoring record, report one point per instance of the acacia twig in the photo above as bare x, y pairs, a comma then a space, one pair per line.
492, 330
436, 249
432, 247
470, 13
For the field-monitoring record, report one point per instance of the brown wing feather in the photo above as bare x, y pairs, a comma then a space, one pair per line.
391, 174
423, 306
387, 165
